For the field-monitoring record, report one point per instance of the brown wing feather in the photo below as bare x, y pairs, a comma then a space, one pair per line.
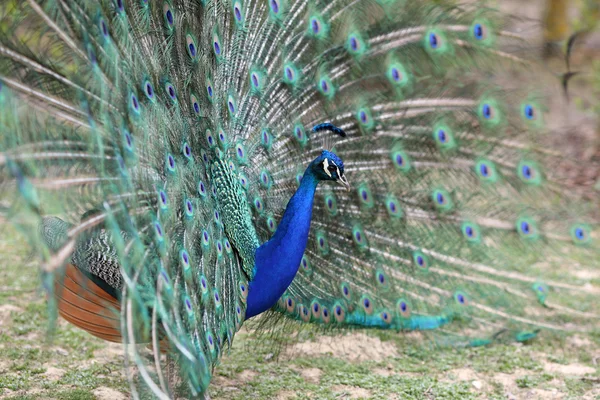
84, 304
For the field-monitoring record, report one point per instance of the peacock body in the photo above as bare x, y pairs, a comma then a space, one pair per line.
164, 159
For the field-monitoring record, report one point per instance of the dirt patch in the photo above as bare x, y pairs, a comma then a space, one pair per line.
5, 310
53, 373
286, 395
247, 375
569, 369
350, 392
311, 375
508, 381
580, 341
353, 347
105, 393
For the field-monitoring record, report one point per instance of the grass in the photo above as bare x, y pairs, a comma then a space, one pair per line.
311, 365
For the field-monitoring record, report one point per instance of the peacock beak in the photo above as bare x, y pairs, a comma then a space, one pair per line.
344, 182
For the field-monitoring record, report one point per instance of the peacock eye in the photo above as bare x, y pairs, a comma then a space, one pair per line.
331, 168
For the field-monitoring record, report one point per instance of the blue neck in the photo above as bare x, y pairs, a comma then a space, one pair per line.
276, 261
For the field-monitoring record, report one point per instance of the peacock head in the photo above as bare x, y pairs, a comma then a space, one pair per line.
329, 167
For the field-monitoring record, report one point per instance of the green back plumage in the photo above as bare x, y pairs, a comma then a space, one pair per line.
180, 129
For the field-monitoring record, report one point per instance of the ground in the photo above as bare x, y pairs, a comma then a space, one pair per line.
314, 365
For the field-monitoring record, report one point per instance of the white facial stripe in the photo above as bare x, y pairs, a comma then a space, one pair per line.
326, 167
338, 170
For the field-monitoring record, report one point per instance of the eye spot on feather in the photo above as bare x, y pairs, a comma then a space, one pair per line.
331, 204
403, 308
315, 26
209, 138
529, 112
434, 40
364, 195
254, 78
104, 28
400, 160
191, 46
165, 277
211, 341
442, 200
298, 178
290, 304
484, 170
240, 152
367, 304
304, 313
169, 17
271, 225
195, 105
162, 199
364, 118
529, 173
290, 73
219, 248
359, 237
461, 298
216, 297
209, 91
170, 163
128, 141
201, 189
135, 105
186, 150
237, 12
120, 6
188, 305
355, 44
392, 207
339, 313
322, 243
266, 139
243, 291
325, 86
223, 140
217, 45
488, 111
345, 288
381, 278
581, 234
258, 204
231, 106
265, 180
325, 316
227, 245
217, 220
421, 261
300, 135
189, 208
385, 317
243, 181
170, 90
149, 90
479, 31
527, 228
316, 309
205, 238
274, 6
158, 230
185, 258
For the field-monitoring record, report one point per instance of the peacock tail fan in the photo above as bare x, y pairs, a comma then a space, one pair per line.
125, 121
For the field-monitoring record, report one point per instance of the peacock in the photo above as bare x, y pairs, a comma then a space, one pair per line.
181, 166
